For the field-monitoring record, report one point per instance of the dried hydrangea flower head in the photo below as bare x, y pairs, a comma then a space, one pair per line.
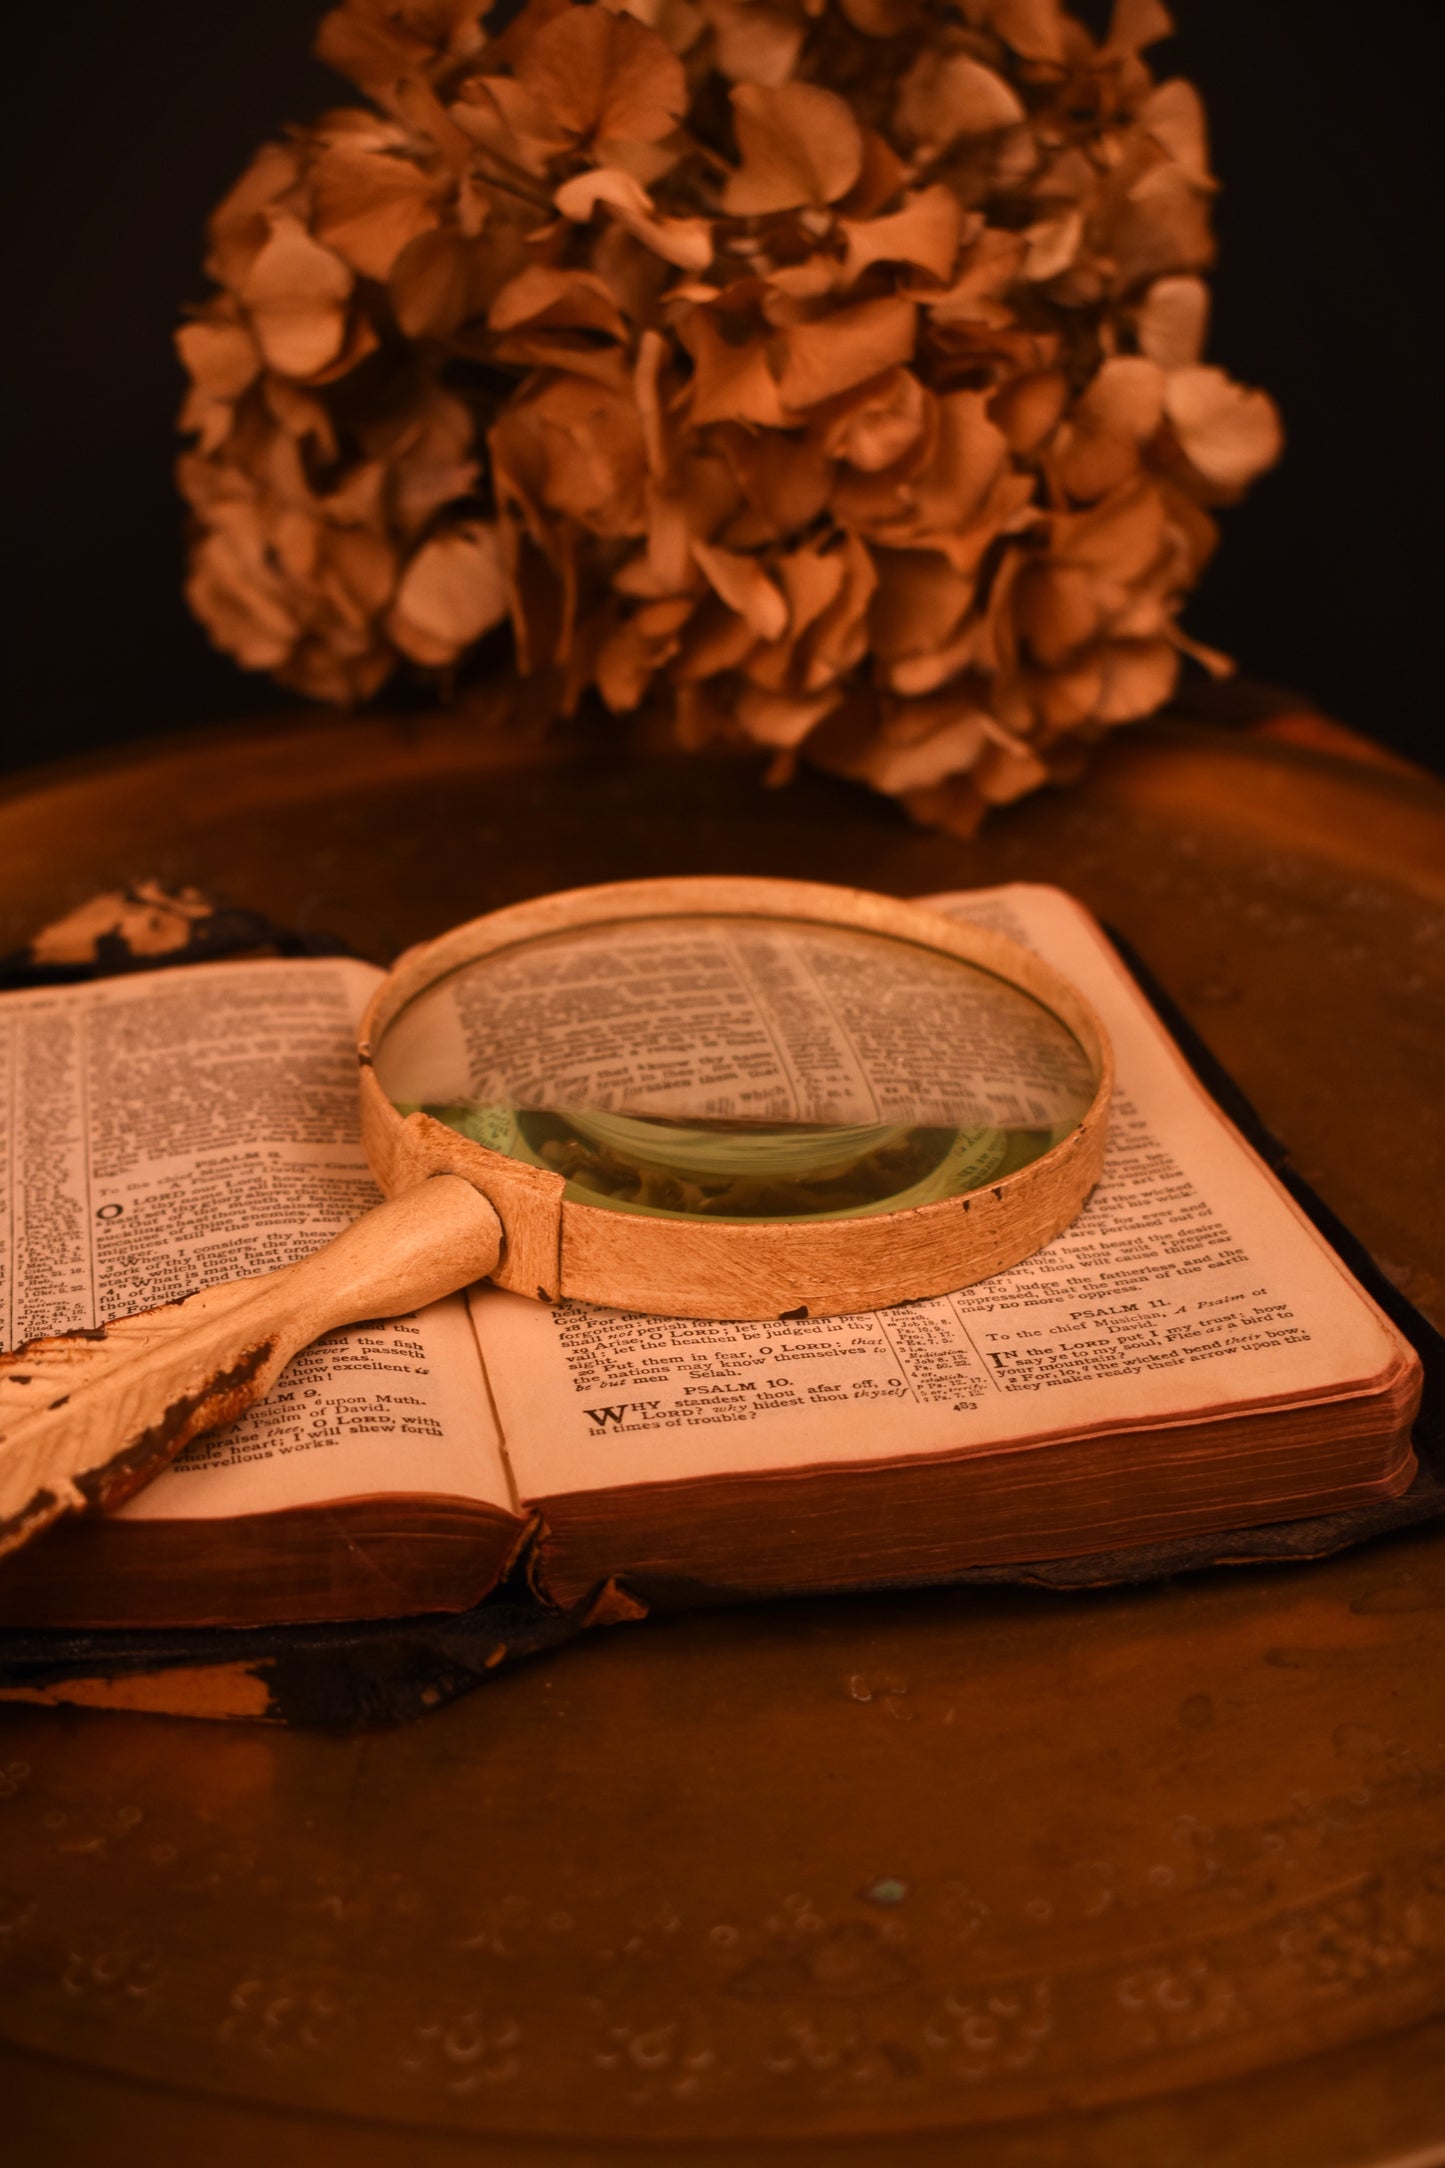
829, 368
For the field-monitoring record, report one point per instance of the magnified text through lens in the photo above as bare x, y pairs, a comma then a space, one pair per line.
740, 1068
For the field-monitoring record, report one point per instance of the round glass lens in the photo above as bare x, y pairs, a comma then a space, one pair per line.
738, 1068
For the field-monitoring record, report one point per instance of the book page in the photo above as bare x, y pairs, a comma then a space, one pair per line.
1190, 1282
163, 1132
393, 1407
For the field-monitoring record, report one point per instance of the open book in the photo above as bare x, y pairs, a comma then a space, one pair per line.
1190, 1356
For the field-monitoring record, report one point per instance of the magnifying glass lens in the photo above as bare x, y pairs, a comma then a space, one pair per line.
738, 1068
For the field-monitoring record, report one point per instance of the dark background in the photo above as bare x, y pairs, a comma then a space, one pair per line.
127, 122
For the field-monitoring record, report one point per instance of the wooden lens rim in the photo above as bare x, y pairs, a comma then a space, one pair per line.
711, 1269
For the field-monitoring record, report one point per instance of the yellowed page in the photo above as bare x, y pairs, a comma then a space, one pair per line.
163, 1132
1190, 1282
394, 1407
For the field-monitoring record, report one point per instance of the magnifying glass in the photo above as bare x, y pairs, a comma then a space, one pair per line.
715, 1098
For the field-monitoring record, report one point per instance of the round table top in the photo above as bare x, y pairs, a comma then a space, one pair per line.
1140, 1875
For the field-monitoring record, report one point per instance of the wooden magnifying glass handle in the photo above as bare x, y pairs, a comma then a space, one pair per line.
87, 1418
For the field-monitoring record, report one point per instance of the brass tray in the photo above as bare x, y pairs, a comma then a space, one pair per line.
1007, 1877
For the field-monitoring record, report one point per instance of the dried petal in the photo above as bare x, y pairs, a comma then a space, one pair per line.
240, 224
784, 479
1213, 659
686, 242
296, 294
1100, 448
1137, 680
222, 360
745, 588
992, 260
948, 95
799, 145
220, 354
576, 449
1172, 321
880, 177
829, 356
783, 719
881, 18
632, 653
924, 742
732, 380
304, 417
677, 22
879, 423
1161, 225
754, 43
1058, 608
431, 458
838, 639
1136, 23
957, 806
510, 48
1061, 699
599, 76
238, 597
1054, 244
920, 603
370, 201
1126, 398
925, 232
1028, 409
1009, 770
1034, 28
434, 284
1228, 434
1174, 116
812, 579
700, 499
652, 356
570, 300
809, 280
452, 592
969, 458
1119, 540
718, 641
378, 42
